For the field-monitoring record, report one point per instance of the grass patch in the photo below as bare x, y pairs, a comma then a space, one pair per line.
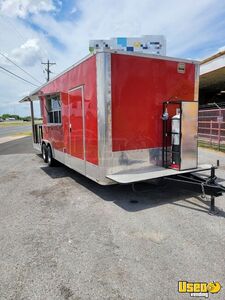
27, 133
213, 146
17, 123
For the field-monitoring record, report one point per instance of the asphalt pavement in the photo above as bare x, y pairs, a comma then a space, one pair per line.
17, 146
10, 130
62, 236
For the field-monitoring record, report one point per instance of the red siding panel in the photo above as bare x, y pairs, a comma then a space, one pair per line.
83, 74
139, 87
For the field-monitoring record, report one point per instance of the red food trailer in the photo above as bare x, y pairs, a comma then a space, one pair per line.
111, 115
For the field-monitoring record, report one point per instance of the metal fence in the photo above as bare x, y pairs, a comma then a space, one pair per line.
211, 127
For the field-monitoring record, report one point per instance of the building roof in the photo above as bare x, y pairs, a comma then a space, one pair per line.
212, 72
212, 57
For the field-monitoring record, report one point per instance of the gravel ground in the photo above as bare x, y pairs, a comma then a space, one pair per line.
65, 237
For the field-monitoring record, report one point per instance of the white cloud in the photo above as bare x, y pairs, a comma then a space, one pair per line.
13, 34
21, 8
28, 54
187, 25
221, 49
73, 10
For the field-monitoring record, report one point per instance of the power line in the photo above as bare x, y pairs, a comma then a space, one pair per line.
11, 76
17, 76
48, 68
20, 67
23, 38
41, 49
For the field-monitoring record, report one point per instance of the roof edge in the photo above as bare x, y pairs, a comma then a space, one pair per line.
212, 57
35, 92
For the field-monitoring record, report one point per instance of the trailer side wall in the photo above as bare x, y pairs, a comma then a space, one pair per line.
82, 75
140, 85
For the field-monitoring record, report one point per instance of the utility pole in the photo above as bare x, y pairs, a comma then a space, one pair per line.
48, 68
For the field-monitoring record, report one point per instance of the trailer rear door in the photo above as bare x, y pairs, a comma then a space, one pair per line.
189, 135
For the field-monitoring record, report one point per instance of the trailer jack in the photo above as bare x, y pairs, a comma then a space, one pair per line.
201, 185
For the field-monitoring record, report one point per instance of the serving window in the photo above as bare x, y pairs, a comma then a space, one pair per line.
53, 107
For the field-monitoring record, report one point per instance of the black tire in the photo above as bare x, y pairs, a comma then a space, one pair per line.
51, 161
44, 152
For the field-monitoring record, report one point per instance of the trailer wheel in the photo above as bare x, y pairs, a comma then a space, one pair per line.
51, 161
44, 152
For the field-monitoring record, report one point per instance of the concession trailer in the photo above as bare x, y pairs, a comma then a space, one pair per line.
122, 117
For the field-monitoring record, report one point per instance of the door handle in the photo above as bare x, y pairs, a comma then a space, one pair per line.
70, 127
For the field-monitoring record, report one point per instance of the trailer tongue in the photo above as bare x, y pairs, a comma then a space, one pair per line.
198, 183
206, 185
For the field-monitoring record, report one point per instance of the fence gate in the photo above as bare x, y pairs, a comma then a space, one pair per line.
211, 127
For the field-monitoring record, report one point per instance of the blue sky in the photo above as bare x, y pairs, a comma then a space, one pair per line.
33, 31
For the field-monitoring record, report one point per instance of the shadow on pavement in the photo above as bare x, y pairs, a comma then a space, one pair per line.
150, 196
